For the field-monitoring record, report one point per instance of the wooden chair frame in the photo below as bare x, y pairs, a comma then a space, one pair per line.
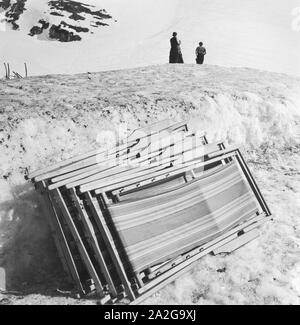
128, 291
62, 223
78, 192
228, 242
132, 141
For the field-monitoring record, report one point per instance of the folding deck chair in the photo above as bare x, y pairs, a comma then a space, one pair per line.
74, 236
127, 227
154, 238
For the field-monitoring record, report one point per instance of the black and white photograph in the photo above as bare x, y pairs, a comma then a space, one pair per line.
150, 154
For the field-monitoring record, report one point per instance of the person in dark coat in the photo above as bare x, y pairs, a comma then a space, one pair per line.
200, 53
174, 52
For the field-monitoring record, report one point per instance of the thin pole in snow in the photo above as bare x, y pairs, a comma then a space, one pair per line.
8, 71
6, 75
26, 71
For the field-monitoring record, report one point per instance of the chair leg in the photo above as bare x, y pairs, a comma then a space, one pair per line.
99, 219
59, 238
94, 243
252, 183
84, 254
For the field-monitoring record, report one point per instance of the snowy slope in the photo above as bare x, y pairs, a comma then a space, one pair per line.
244, 33
62, 20
50, 118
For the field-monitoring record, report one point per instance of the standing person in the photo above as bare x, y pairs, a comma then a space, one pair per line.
200, 53
174, 52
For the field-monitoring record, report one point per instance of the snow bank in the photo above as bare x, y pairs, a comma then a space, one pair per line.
253, 33
47, 119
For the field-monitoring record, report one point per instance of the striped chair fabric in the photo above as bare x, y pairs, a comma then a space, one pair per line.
159, 227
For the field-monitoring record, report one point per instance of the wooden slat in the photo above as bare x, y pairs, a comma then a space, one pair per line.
102, 157
82, 250
101, 224
47, 209
60, 240
134, 172
131, 140
120, 182
90, 173
128, 167
107, 158
94, 243
63, 163
152, 177
84, 172
253, 184
135, 165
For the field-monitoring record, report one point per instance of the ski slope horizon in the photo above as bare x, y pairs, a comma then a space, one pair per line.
255, 34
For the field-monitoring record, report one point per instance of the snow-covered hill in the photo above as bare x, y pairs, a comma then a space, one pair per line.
244, 33
50, 118
62, 20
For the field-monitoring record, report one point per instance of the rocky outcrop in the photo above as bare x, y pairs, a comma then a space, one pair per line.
76, 8
14, 11
62, 20
4, 4
37, 30
62, 35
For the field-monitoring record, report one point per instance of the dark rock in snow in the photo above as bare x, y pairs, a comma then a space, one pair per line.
54, 13
14, 11
76, 28
5, 4
36, 30
77, 18
62, 35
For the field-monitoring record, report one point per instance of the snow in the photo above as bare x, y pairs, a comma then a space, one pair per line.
49, 118
258, 34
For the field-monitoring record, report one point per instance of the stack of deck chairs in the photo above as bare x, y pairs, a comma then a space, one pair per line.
128, 220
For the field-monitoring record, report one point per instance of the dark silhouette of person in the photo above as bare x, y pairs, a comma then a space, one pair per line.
175, 52
200, 53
